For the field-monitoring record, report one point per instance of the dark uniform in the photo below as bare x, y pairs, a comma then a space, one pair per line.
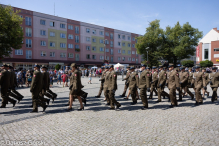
144, 83
54, 95
133, 85
154, 83
162, 77
102, 83
126, 82
214, 83
105, 86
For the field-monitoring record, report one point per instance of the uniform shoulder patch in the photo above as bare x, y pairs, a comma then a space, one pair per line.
75, 74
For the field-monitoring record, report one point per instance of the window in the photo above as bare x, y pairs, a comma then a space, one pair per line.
76, 39
52, 54
19, 52
111, 43
52, 34
77, 57
101, 49
88, 39
94, 48
136, 60
76, 29
111, 51
123, 58
70, 27
101, 41
52, 44
106, 42
119, 51
107, 50
111, 36
123, 36
123, 44
133, 45
28, 54
70, 46
62, 25
28, 43
133, 52
62, 45
94, 31
106, 33
133, 39
129, 59
129, 52
101, 57
87, 30
111, 59
28, 21
133, 59
93, 56
43, 53
101, 33
62, 35
70, 55
70, 36
107, 57
129, 38
52, 24
216, 49
63, 55
129, 45
206, 54
123, 51
28, 32
43, 22
94, 40
119, 43
77, 47
119, 58
43, 43
42, 32
119, 36
88, 48
88, 56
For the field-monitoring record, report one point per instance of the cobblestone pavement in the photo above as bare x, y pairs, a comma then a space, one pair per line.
159, 125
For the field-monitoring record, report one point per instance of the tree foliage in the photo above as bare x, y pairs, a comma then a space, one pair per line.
187, 63
206, 63
11, 34
57, 67
173, 44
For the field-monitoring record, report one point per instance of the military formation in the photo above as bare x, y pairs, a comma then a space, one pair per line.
152, 81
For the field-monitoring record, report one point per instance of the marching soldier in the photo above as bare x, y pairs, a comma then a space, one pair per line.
105, 85
190, 84
162, 77
173, 84
154, 82
133, 84
206, 78
199, 82
214, 83
5, 85
144, 83
112, 88
126, 82
102, 82
75, 87
36, 88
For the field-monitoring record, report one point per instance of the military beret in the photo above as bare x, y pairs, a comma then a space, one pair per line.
190, 68
164, 67
5, 65
36, 65
43, 66
73, 65
147, 67
160, 66
197, 66
102, 67
182, 67
132, 67
128, 67
143, 65
214, 68
154, 67
171, 65
111, 66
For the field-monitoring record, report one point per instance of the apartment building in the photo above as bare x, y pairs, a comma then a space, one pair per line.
51, 40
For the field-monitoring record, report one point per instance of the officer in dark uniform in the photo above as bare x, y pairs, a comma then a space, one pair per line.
133, 84
36, 88
5, 86
126, 82
154, 82
102, 81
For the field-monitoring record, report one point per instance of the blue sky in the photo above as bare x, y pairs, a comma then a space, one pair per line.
129, 15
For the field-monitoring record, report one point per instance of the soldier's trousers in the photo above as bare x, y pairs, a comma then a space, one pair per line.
106, 94
46, 93
133, 94
125, 89
101, 89
186, 90
36, 101
143, 96
52, 93
214, 95
16, 92
153, 89
113, 101
172, 94
161, 92
14, 95
198, 96
5, 98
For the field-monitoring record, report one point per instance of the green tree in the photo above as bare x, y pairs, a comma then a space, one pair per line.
151, 40
206, 63
57, 67
187, 63
11, 34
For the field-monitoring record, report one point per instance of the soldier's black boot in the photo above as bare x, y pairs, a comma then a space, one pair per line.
118, 106
171, 106
133, 103
144, 107
196, 103
3, 106
122, 95
47, 101
14, 103
97, 96
44, 108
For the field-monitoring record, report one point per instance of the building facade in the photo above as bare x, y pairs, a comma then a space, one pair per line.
52, 40
208, 47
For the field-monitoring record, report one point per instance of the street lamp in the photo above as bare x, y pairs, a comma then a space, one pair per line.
147, 54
